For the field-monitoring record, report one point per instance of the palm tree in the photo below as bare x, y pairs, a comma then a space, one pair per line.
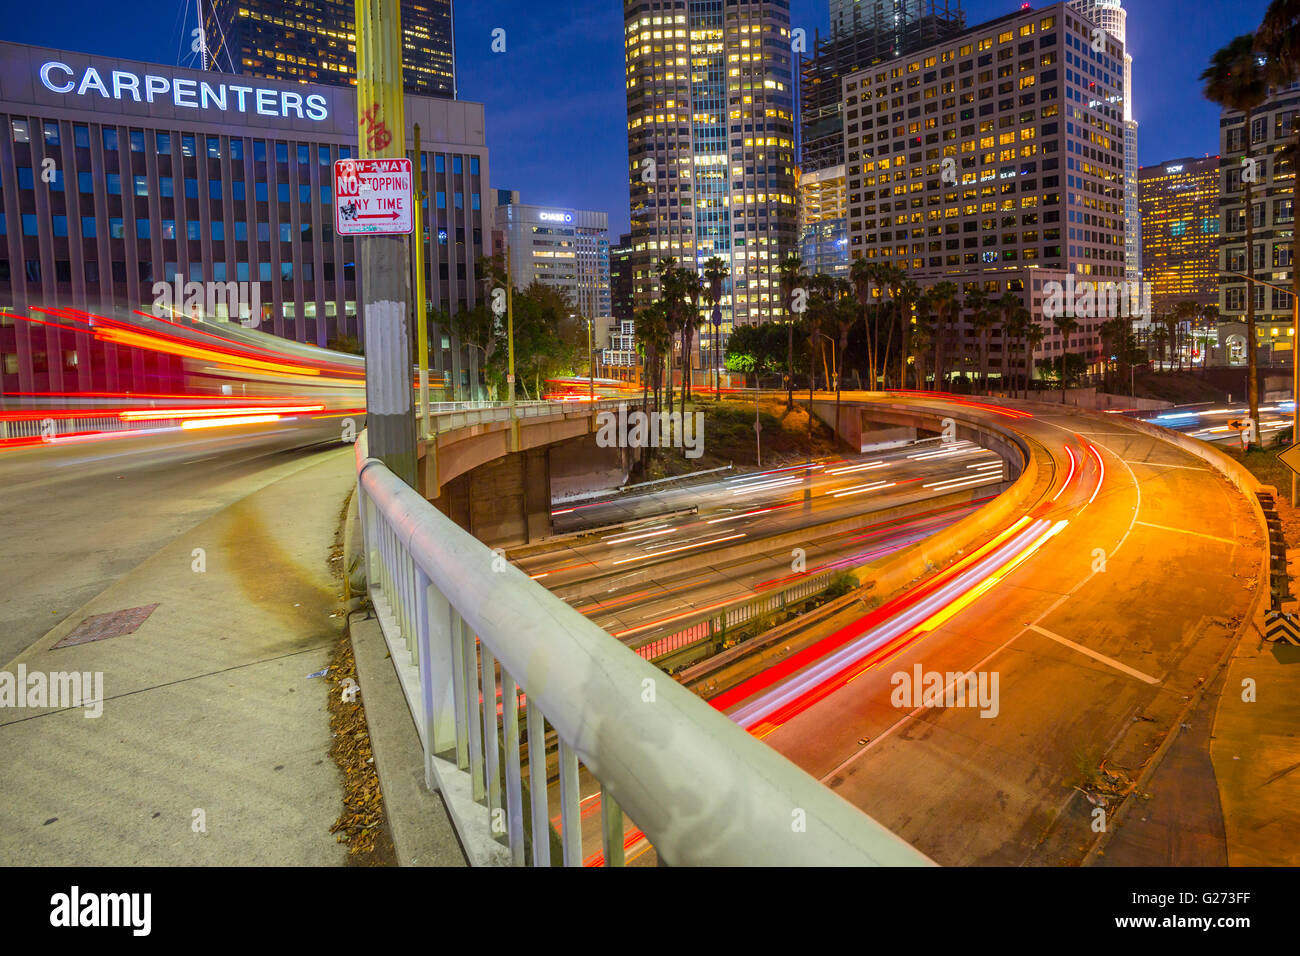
1066, 325
1113, 332
922, 339
891, 278
1279, 36
1236, 80
863, 275
1033, 336
946, 307
652, 339
1007, 305
982, 320
1160, 335
670, 298
845, 315
791, 273
715, 273
692, 287
909, 293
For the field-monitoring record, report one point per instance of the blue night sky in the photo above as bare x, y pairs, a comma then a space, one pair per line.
556, 111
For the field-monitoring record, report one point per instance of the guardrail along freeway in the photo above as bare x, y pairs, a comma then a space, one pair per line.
466, 631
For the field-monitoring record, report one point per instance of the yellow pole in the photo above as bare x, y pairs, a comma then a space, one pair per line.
421, 313
385, 264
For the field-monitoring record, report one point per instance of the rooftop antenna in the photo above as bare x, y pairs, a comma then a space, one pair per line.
203, 37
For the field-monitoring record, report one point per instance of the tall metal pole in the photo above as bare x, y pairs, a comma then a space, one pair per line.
591, 369
510, 330
421, 313
1295, 382
385, 260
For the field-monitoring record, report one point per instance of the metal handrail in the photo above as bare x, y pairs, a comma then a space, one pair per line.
702, 790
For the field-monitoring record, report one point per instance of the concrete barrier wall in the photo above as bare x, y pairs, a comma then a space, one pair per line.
942, 548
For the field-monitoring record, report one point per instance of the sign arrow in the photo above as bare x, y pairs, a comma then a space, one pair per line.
380, 215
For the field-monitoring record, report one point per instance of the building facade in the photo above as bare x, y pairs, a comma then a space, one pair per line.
1272, 214
982, 159
316, 42
565, 249
863, 33
1179, 201
622, 306
711, 164
824, 223
117, 174
1110, 16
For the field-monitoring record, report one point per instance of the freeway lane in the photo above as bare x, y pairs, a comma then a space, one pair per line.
1210, 422
1095, 642
79, 515
639, 612
748, 506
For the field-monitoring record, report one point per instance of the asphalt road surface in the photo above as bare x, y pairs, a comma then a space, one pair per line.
77, 516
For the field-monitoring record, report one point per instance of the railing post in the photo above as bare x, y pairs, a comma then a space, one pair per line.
514, 780
459, 692
491, 753
570, 806
421, 641
611, 830
538, 796
473, 716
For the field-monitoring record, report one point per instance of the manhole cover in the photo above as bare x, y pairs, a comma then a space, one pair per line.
101, 626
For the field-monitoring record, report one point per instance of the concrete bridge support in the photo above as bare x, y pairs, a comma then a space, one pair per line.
507, 501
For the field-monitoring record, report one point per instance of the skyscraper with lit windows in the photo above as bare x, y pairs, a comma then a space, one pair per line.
1180, 231
711, 166
1111, 17
316, 42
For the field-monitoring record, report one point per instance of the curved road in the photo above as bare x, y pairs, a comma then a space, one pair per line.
1090, 632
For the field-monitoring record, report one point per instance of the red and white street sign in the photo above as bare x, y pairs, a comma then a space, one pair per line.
373, 197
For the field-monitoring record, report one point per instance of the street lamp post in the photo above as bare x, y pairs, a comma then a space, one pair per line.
835, 373
591, 367
1295, 367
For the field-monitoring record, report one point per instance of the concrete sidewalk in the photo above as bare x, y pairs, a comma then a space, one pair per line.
213, 743
1255, 748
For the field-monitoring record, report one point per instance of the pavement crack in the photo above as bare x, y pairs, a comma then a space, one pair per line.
172, 683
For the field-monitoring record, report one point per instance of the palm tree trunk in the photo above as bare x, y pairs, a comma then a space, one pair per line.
1252, 365
789, 363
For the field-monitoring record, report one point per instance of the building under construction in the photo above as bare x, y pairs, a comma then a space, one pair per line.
871, 31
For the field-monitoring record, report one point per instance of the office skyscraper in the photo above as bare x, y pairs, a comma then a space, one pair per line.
1111, 17
1272, 127
863, 33
993, 160
316, 42
1180, 231
711, 146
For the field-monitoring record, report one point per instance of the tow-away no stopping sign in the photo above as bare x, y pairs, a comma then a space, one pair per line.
373, 197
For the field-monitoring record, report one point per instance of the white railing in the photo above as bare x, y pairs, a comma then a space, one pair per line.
466, 629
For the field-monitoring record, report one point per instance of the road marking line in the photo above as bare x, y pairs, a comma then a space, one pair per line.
1137, 487
1164, 527
906, 717
1110, 661
1165, 464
